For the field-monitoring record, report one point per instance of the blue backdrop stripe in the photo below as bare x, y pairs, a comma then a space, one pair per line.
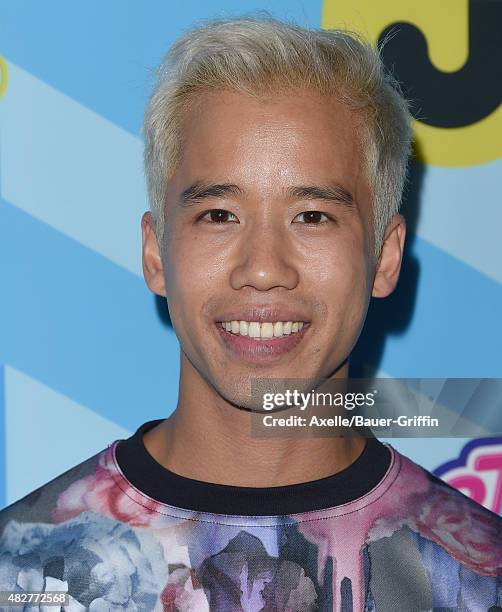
454, 329
93, 193
38, 420
456, 203
82, 325
103, 54
3, 469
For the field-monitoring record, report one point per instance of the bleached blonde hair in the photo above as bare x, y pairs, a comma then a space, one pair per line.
262, 55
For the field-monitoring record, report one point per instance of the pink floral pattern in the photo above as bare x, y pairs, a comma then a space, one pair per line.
139, 552
102, 493
462, 527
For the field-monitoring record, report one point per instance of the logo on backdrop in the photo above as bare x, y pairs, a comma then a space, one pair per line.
477, 472
3, 76
447, 57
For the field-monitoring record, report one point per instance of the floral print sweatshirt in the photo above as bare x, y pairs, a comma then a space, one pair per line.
120, 532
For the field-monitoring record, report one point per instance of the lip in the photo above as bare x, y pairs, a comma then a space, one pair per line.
263, 314
260, 350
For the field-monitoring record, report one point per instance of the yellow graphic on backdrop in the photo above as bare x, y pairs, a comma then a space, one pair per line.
3, 76
445, 25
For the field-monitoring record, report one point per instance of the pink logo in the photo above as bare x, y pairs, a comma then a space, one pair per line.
477, 472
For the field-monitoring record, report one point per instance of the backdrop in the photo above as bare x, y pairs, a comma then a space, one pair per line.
87, 353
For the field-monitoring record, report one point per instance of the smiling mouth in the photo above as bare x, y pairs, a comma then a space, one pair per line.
265, 330
259, 342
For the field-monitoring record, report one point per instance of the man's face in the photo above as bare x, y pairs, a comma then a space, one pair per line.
268, 221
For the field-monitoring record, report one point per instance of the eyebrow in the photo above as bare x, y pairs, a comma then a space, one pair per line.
331, 193
199, 191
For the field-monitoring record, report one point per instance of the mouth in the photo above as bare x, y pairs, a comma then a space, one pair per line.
264, 341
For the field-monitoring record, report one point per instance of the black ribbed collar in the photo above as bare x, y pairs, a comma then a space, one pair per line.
154, 480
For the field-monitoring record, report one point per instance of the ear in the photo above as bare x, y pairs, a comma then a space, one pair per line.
153, 270
391, 256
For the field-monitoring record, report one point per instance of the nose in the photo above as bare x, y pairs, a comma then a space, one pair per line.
264, 260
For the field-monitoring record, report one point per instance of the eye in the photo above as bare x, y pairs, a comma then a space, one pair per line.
312, 217
218, 215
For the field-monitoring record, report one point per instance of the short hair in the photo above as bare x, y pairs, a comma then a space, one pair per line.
262, 55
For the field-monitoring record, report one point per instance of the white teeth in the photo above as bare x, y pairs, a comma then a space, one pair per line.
278, 328
254, 330
267, 329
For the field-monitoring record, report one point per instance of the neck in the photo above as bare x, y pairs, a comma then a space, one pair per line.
208, 439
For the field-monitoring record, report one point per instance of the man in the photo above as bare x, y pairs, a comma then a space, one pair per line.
275, 159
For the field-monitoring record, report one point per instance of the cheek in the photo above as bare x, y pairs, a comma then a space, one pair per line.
341, 267
193, 270
340, 278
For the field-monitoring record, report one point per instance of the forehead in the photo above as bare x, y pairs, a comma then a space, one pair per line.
300, 135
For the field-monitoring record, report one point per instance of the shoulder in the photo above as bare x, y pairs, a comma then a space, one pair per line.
75, 529
470, 533
42, 530
41, 504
